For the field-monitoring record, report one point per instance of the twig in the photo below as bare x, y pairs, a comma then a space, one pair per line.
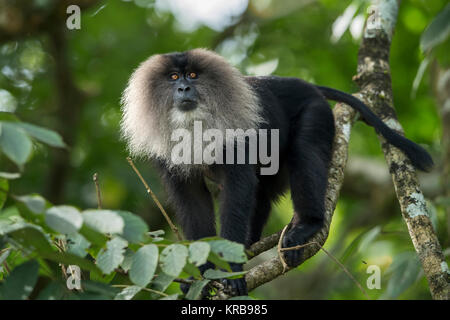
185, 281
149, 191
5, 264
61, 247
332, 257
280, 250
99, 198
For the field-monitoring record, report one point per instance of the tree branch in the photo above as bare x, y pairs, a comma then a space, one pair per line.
375, 82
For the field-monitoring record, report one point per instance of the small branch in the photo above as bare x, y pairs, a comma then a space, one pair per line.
280, 249
97, 188
185, 281
264, 244
149, 191
334, 259
8, 270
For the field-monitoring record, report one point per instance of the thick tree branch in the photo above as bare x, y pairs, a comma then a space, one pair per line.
374, 78
375, 82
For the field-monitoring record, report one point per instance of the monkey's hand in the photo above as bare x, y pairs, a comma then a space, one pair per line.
236, 287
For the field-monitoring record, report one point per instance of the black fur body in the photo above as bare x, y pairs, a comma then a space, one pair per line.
302, 114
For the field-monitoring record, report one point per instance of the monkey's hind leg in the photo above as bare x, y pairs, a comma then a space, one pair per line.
308, 163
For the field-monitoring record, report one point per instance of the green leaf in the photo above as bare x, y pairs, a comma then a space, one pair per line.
219, 274
135, 228
93, 236
437, 31
9, 175
112, 257
20, 283
15, 143
99, 277
8, 103
77, 245
54, 291
160, 283
43, 134
127, 260
32, 238
100, 288
104, 221
192, 270
71, 259
173, 259
199, 252
360, 242
8, 117
4, 256
170, 297
64, 219
405, 270
229, 251
195, 290
218, 261
4, 188
144, 265
128, 293
368, 238
35, 203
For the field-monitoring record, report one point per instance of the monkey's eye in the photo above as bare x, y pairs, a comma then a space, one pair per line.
174, 76
192, 75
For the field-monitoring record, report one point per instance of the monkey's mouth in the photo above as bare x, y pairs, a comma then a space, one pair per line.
187, 105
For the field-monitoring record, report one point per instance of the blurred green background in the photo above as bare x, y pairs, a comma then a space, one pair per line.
71, 81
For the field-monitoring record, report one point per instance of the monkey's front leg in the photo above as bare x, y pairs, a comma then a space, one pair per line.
193, 208
192, 202
238, 201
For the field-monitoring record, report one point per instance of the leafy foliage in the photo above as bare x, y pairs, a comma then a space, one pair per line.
50, 239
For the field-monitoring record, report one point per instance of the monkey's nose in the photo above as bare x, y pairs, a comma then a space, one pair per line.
184, 89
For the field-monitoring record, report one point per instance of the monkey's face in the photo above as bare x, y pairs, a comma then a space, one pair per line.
184, 92
191, 81
170, 91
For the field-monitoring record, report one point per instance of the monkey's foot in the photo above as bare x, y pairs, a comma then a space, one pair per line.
297, 235
236, 287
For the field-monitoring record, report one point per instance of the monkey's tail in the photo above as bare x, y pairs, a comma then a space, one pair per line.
419, 157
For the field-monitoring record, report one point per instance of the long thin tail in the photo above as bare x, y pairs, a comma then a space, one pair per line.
419, 156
